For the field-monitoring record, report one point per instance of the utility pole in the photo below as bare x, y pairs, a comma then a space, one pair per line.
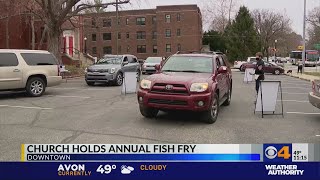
117, 26
304, 36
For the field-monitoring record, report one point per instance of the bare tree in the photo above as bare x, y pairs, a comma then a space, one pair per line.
270, 26
314, 17
314, 27
97, 9
218, 13
55, 12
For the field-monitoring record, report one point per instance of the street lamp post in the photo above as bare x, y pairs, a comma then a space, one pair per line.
85, 45
304, 36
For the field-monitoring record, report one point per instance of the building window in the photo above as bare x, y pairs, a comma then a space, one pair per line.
179, 47
94, 37
168, 48
178, 17
107, 23
128, 35
94, 23
94, 50
168, 18
168, 33
141, 21
128, 48
141, 35
127, 21
107, 50
178, 32
141, 49
155, 49
106, 36
154, 19
154, 35
119, 35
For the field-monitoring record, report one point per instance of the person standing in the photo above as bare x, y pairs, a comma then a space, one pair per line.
300, 66
259, 72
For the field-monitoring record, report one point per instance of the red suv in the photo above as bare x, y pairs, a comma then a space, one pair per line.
193, 82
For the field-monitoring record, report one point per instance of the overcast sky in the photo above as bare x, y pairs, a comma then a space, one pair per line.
293, 8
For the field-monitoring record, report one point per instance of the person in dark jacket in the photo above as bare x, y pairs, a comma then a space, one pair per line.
259, 72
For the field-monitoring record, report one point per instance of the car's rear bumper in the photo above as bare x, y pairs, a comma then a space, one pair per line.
102, 77
314, 100
174, 102
54, 80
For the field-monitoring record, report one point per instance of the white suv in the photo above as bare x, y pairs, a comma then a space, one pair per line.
30, 70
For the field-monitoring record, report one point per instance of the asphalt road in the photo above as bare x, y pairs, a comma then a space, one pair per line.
76, 113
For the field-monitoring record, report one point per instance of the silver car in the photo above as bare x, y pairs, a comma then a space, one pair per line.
150, 63
314, 96
111, 69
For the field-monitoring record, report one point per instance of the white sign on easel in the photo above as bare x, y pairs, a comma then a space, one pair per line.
129, 84
248, 75
267, 97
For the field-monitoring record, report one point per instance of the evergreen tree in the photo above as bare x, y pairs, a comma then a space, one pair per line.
215, 39
241, 37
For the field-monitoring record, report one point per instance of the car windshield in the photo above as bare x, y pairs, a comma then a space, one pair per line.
153, 60
188, 64
110, 60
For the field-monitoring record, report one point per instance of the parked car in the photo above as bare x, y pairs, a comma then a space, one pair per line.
277, 64
150, 63
268, 67
29, 70
238, 64
314, 96
192, 82
111, 68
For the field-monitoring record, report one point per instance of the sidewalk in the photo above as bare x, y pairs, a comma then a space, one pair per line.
303, 76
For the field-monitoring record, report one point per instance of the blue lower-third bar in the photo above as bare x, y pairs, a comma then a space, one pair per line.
143, 157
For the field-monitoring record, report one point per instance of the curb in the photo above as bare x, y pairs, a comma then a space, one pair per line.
305, 79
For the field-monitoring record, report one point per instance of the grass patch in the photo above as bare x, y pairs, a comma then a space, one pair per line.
313, 73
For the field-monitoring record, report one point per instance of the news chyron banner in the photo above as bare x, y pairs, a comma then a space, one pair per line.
165, 161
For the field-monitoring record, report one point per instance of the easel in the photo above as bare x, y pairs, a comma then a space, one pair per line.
129, 85
247, 74
263, 112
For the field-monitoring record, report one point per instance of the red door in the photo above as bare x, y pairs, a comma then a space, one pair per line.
71, 46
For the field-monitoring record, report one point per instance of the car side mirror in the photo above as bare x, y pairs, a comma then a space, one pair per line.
222, 70
125, 63
157, 67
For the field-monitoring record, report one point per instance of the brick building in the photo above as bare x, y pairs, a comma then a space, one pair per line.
144, 33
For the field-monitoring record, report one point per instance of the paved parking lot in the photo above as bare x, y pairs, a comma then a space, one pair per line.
76, 113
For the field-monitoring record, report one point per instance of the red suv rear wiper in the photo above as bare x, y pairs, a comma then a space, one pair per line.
187, 71
170, 71
191, 71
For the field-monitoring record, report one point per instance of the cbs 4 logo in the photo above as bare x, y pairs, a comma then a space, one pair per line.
271, 152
